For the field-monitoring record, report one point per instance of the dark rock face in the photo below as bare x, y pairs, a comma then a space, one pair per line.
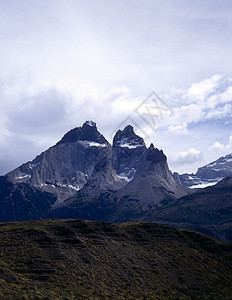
22, 202
127, 138
209, 174
126, 152
154, 155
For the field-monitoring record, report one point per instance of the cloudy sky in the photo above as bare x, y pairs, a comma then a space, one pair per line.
66, 61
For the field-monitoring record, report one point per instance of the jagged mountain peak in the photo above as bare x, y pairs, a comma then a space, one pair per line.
129, 129
127, 138
88, 132
155, 155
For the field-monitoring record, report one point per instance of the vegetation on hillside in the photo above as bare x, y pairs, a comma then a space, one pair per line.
76, 259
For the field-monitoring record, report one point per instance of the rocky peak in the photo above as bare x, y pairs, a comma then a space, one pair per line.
88, 132
90, 123
127, 138
154, 161
152, 146
155, 155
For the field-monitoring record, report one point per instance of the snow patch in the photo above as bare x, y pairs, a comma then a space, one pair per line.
125, 143
23, 176
45, 184
123, 176
128, 176
61, 185
91, 144
73, 187
202, 185
94, 144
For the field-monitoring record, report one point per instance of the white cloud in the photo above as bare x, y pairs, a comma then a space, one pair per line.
216, 146
220, 112
200, 90
222, 148
190, 156
222, 97
229, 145
218, 149
178, 129
210, 99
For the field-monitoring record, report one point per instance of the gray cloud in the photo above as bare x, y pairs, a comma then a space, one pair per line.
145, 45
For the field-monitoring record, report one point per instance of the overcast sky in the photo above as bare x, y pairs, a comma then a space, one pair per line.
66, 61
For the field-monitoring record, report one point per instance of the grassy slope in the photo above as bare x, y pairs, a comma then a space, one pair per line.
75, 259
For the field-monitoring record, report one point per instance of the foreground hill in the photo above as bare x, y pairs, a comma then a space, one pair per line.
75, 259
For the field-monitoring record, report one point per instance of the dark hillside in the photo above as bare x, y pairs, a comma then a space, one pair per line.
75, 259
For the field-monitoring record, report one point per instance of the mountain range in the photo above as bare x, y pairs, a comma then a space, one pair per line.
207, 175
83, 176
90, 178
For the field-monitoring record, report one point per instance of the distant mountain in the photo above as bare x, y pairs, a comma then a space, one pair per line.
208, 174
209, 211
92, 179
76, 259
